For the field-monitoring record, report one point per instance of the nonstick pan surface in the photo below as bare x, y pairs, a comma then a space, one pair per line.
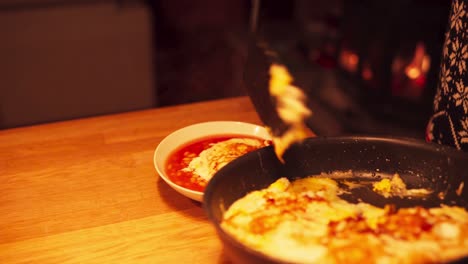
421, 165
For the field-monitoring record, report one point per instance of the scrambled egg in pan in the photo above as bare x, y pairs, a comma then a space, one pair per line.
307, 222
396, 187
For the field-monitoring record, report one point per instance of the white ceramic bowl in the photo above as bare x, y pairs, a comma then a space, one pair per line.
201, 130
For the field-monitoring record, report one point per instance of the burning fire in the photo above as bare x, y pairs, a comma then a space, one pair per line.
349, 60
409, 74
420, 63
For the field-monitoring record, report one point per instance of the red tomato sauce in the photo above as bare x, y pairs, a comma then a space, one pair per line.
181, 158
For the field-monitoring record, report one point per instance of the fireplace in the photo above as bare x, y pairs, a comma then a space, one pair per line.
370, 66
391, 51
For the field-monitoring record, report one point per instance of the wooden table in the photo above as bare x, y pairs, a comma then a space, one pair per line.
86, 191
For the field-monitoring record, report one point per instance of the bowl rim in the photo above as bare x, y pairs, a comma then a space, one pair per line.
192, 194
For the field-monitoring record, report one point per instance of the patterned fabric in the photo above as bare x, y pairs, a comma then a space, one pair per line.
449, 124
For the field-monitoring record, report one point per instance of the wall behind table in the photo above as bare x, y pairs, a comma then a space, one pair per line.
62, 62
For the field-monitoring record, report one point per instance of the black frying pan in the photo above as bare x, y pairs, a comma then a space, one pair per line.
419, 164
256, 78
256, 81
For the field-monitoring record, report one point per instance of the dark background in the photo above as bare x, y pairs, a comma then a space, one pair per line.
367, 66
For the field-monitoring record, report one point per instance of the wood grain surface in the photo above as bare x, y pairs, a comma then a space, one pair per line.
86, 191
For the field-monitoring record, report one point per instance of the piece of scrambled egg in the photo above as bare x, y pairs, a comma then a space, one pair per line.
210, 160
396, 187
291, 108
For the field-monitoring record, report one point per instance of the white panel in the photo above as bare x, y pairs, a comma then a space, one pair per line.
74, 61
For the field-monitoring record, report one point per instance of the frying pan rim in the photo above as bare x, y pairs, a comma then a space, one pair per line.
398, 140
